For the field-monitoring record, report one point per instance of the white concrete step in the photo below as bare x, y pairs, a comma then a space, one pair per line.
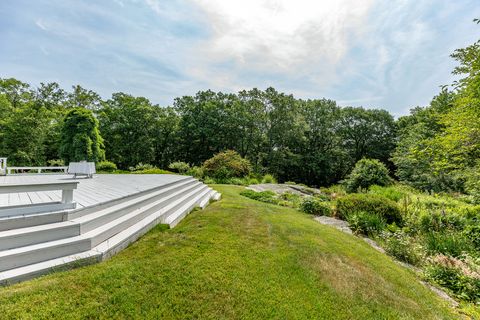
107, 237
25, 221
35, 253
181, 211
109, 247
84, 211
99, 218
26, 236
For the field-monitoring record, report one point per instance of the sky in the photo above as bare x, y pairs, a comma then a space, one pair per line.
389, 54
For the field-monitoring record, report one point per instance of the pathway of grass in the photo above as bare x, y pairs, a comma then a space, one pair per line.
237, 259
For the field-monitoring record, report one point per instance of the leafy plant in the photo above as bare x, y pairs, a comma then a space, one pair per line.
268, 178
366, 223
179, 166
227, 164
105, 166
400, 245
142, 166
448, 243
371, 203
455, 275
311, 205
264, 196
366, 173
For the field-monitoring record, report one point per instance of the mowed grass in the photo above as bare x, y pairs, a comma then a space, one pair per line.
237, 259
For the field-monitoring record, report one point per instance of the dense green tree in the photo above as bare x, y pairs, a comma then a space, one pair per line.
80, 137
367, 133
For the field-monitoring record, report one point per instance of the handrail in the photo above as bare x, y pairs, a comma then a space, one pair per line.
39, 169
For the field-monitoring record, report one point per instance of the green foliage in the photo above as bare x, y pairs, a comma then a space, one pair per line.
227, 164
454, 275
264, 196
371, 203
393, 193
80, 137
311, 205
152, 171
367, 172
142, 166
400, 245
472, 232
105, 166
366, 223
196, 172
268, 178
453, 244
56, 163
179, 166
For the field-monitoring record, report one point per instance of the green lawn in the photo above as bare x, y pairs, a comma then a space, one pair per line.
237, 259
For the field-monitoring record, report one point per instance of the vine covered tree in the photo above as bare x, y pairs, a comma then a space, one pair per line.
80, 137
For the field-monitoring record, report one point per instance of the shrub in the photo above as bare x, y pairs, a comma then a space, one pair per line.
440, 221
152, 171
371, 203
105, 166
313, 206
391, 192
196, 172
366, 223
400, 246
179, 166
264, 196
453, 244
366, 173
455, 275
142, 166
227, 164
268, 178
472, 232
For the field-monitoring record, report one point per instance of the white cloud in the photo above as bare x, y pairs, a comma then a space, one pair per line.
284, 36
40, 24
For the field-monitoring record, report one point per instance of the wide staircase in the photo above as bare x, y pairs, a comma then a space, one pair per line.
40, 243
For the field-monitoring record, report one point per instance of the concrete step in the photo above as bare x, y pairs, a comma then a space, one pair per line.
25, 221
99, 218
38, 234
105, 236
85, 211
22, 256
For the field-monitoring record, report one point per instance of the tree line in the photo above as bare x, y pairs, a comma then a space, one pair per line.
310, 141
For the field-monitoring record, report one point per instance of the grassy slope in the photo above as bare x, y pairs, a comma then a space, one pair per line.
238, 258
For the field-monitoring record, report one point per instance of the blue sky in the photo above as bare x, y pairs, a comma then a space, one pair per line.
384, 54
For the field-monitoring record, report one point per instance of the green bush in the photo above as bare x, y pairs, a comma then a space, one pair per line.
392, 192
440, 221
472, 232
142, 166
313, 206
268, 178
454, 275
371, 203
196, 172
400, 246
179, 166
152, 171
264, 196
105, 166
366, 173
227, 164
366, 223
448, 243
